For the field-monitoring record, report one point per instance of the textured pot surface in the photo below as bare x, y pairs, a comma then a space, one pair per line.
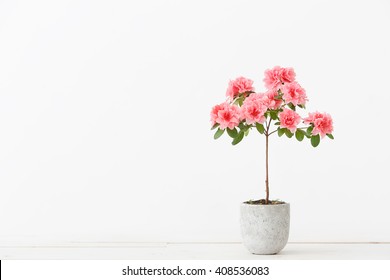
265, 228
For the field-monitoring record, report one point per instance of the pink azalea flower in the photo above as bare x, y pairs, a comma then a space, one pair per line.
253, 109
254, 97
294, 93
270, 101
277, 76
323, 123
312, 117
228, 116
239, 85
214, 112
289, 119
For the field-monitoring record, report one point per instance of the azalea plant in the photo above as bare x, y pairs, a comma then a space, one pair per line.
274, 111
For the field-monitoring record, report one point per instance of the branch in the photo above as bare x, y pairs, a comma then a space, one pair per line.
270, 120
267, 124
272, 132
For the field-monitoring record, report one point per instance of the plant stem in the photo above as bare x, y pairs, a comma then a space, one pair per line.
267, 134
266, 170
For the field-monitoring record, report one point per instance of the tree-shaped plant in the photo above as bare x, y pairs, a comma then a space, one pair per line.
274, 111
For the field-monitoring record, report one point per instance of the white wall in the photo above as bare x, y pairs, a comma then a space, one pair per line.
104, 119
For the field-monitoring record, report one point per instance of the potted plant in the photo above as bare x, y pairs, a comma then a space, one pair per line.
265, 223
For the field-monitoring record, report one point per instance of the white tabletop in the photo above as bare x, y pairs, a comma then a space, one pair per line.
193, 251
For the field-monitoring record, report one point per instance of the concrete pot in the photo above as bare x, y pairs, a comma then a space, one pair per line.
265, 228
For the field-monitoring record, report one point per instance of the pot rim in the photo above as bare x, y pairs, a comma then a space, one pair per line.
264, 205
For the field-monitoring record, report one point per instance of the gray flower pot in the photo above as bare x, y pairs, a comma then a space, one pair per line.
265, 228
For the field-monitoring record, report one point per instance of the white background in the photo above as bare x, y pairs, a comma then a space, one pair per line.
104, 119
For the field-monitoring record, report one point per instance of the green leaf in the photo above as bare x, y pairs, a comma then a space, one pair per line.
246, 132
277, 123
239, 100
306, 134
315, 140
278, 97
239, 137
281, 131
309, 130
302, 106
299, 134
273, 115
232, 132
292, 106
330, 136
289, 134
218, 133
260, 128
215, 126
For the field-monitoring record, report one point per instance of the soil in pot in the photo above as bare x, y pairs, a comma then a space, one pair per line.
262, 202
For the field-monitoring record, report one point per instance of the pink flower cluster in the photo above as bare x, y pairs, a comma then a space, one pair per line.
289, 119
253, 109
283, 95
270, 100
294, 93
283, 79
322, 122
238, 86
277, 76
226, 115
